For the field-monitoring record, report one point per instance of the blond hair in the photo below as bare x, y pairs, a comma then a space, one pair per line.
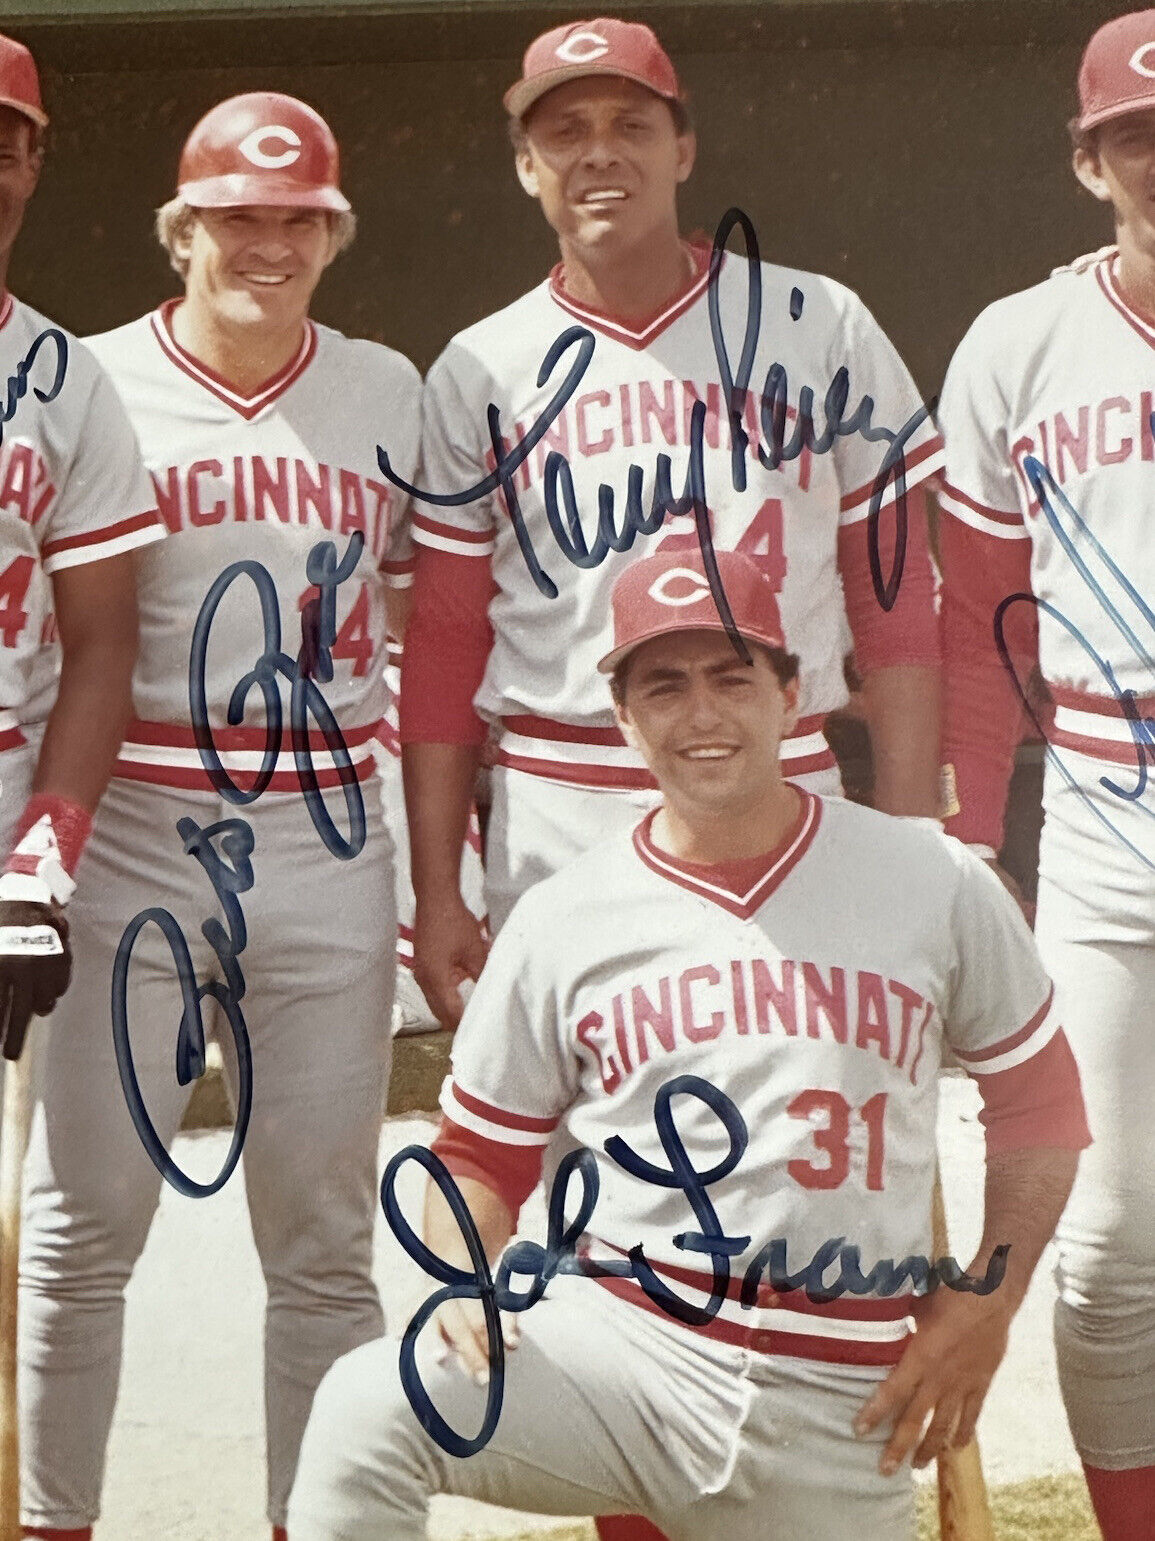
174, 222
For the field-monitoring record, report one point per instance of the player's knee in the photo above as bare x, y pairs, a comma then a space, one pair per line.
363, 1453
1106, 1358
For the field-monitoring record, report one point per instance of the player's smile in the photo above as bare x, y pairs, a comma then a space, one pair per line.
708, 724
257, 265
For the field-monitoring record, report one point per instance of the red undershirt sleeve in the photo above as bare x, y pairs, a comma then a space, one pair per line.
447, 645
1037, 1103
510, 1171
908, 632
983, 713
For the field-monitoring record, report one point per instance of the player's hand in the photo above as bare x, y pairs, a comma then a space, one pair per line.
943, 1375
461, 1324
449, 947
35, 967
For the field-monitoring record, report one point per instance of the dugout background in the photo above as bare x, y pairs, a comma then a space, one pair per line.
915, 149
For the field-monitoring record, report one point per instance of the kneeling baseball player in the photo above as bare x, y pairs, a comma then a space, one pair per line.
739, 1009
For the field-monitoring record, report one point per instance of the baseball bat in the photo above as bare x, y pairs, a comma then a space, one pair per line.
13, 1144
964, 1511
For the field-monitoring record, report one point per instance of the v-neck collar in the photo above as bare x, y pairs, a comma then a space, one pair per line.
1107, 273
246, 406
697, 877
621, 331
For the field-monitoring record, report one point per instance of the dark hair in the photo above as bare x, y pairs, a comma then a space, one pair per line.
784, 664
680, 113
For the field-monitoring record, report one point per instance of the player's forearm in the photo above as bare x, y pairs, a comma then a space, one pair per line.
902, 706
1026, 1191
398, 607
491, 1217
96, 616
439, 781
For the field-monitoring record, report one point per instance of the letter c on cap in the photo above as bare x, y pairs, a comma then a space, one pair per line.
1138, 60
250, 146
661, 589
583, 47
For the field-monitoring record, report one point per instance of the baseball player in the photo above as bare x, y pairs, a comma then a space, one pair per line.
743, 1036
259, 428
75, 503
603, 142
1047, 416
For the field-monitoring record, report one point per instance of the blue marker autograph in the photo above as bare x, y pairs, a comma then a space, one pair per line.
562, 513
17, 387
229, 868
1114, 592
560, 1253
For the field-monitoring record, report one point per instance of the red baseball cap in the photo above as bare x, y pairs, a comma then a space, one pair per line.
606, 46
19, 81
1117, 75
670, 592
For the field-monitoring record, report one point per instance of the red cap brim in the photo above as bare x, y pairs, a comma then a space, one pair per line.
27, 110
609, 663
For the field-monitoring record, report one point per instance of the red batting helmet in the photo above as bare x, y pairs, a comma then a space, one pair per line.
261, 148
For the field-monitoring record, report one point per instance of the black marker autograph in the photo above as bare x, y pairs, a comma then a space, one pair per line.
234, 876
17, 387
560, 1253
562, 513
1075, 537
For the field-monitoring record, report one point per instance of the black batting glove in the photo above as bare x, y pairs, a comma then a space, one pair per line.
35, 967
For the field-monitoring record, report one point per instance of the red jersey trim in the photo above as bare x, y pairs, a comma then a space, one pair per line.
984, 510
246, 406
423, 523
500, 1116
914, 458
636, 337
978, 1057
179, 736
849, 1308
1090, 701
188, 779
764, 1340
1095, 725
1109, 283
149, 520
780, 863
165, 754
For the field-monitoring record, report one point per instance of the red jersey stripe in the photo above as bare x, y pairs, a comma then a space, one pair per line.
1005, 1045
501, 1116
915, 458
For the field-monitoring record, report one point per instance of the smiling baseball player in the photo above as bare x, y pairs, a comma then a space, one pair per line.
603, 143
1047, 411
259, 428
809, 959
